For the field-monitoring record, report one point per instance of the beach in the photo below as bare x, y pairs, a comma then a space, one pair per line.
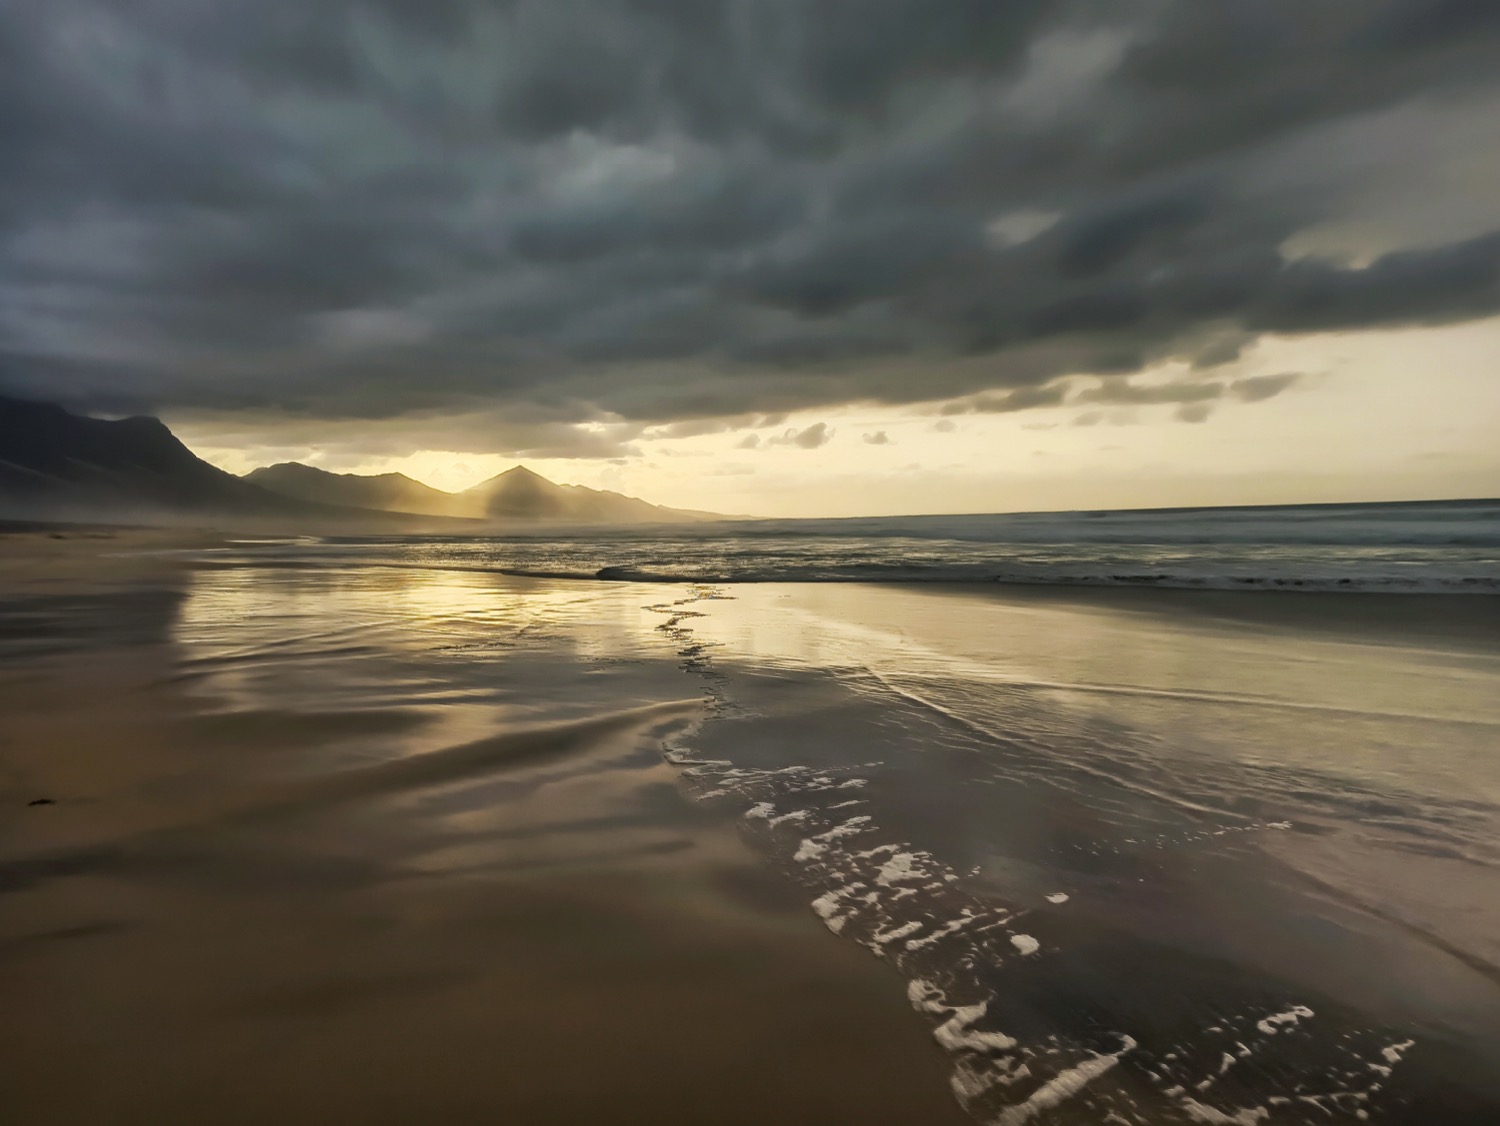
325, 832
563, 938
733, 563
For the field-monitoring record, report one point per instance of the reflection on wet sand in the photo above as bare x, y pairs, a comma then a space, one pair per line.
470, 889
344, 841
1139, 860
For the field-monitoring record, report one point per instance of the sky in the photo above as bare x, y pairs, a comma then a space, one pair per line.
774, 257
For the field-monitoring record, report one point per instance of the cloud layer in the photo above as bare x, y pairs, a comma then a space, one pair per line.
556, 211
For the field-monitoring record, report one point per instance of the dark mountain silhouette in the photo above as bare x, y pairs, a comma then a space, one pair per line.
54, 461
515, 496
520, 494
56, 465
385, 492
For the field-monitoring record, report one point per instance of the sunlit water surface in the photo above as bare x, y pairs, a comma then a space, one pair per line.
1153, 858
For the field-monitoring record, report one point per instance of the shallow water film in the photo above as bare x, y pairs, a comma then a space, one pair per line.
344, 832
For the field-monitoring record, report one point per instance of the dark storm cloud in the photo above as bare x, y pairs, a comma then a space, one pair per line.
1197, 394
1024, 398
808, 438
1194, 399
1125, 393
1193, 412
483, 431
1107, 237
662, 210
1253, 389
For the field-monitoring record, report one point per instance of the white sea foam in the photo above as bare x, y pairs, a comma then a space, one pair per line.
1273, 1023
902, 866
905, 905
953, 926
1393, 1052
885, 937
1211, 1117
1065, 1085
958, 1035
814, 847
794, 815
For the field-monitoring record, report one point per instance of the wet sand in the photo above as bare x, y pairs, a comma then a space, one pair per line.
201, 928
1157, 857
342, 837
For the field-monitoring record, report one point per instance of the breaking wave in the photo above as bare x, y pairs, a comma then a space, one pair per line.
971, 953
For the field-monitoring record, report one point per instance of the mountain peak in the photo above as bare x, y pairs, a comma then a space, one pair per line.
300, 469
286, 467
521, 494
52, 460
385, 492
144, 423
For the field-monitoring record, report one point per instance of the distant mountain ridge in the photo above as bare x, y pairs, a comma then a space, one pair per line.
518, 495
57, 465
384, 492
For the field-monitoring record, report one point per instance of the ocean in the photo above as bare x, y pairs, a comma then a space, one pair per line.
1418, 546
1216, 843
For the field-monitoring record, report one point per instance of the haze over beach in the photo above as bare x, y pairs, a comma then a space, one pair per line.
724, 561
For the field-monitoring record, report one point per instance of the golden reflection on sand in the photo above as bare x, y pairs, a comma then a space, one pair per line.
280, 883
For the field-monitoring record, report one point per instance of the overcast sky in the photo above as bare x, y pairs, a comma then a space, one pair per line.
772, 256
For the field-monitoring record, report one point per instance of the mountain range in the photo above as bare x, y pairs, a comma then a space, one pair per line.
517, 495
56, 465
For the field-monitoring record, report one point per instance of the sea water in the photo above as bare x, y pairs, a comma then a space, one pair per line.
1424, 546
1216, 855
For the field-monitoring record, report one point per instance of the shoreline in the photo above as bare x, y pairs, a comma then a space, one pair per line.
347, 819
1445, 615
539, 928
